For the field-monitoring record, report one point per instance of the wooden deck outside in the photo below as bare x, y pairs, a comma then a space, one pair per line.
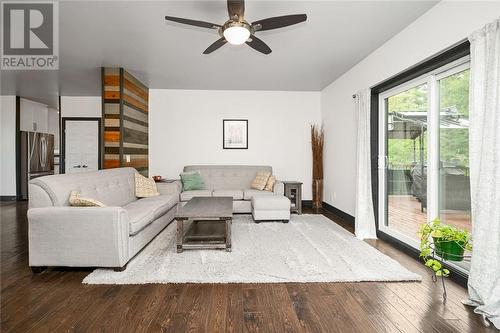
406, 217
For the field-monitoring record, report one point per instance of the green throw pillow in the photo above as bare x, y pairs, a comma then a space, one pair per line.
192, 181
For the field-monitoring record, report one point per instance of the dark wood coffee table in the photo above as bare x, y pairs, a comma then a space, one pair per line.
209, 223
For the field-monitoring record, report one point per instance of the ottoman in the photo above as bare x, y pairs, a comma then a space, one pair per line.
271, 208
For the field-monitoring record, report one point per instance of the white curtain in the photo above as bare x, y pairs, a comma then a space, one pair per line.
484, 150
365, 219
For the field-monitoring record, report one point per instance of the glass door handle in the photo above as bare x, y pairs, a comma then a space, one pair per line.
77, 166
84, 166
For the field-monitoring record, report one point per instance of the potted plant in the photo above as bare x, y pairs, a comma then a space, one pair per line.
449, 243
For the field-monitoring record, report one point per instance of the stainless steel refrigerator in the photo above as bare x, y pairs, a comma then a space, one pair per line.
37, 157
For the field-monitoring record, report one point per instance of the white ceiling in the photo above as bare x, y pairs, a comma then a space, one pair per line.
134, 35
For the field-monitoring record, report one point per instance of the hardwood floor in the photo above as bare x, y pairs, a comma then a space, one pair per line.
56, 301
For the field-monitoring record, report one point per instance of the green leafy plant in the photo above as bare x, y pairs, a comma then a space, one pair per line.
435, 233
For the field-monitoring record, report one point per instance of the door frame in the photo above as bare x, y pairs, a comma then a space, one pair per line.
455, 52
433, 148
63, 139
18, 149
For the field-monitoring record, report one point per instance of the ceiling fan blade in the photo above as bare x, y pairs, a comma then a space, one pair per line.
278, 22
218, 43
236, 7
257, 44
196, 23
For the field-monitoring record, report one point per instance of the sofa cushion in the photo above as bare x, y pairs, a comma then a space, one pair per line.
274, 203
187, 195
144, 211
236, 194
228, 177
250, 193
112, 187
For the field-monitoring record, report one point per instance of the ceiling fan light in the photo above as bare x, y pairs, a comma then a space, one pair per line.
236, 35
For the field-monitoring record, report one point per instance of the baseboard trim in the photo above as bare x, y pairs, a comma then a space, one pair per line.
334, 210
307, 203
8, 198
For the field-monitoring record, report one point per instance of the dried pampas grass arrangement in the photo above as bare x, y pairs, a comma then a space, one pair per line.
317, 142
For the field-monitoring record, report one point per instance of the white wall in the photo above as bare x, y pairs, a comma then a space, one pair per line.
33, 116
81, 106
8, 144
442, 26
53, 126
186, 128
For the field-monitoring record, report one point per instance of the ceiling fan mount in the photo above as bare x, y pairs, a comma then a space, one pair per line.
238, 31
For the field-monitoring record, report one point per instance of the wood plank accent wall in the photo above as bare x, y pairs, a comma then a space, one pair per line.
125, 114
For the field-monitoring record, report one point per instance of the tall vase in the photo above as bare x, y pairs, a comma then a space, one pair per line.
317, 192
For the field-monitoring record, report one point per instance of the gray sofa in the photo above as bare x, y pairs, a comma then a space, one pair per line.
61, 235
231, 180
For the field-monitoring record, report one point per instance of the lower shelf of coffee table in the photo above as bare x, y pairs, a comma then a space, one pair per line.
198, 245
205, 232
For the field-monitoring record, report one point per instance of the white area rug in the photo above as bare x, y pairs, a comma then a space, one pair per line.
310, 248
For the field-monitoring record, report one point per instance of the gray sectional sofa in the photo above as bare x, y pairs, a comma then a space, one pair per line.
233, 181
61, 235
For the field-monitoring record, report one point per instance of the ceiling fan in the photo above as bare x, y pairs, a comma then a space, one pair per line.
237, 30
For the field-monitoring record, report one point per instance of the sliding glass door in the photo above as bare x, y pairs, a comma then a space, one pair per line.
424, 152
454, 182
406, 111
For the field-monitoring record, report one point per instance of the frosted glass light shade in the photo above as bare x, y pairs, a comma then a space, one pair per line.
236, 35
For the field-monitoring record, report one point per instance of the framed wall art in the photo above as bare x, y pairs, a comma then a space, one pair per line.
235, 133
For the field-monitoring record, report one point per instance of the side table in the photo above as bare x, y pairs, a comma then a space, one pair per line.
293, 191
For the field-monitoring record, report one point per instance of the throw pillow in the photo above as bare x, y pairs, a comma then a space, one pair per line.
145, 187
260, 180
192, 181
270, 184
77, 201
